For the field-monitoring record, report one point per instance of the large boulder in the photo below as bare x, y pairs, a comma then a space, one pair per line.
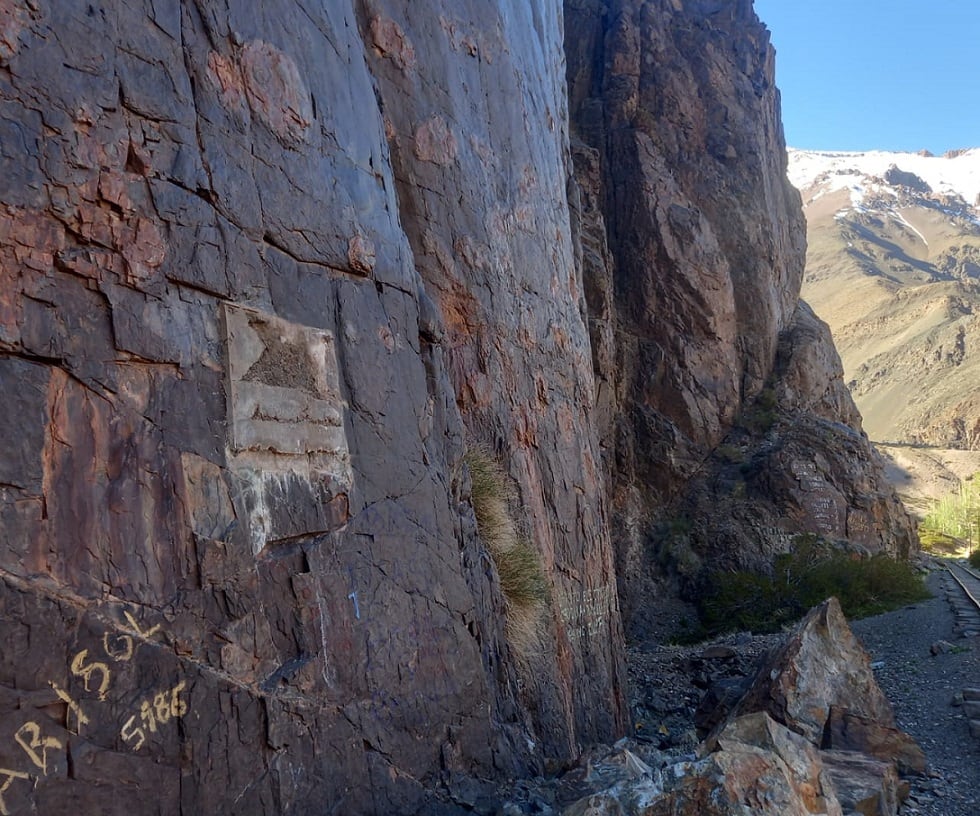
849, 731
863, 784
819, 684
820, 668
758, 733
760, 768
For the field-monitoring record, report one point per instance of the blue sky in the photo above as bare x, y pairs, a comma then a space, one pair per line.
877, 74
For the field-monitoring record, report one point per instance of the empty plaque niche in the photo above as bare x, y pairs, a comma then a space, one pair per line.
286, 438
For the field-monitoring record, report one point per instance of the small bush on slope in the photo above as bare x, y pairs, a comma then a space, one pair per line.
802, 579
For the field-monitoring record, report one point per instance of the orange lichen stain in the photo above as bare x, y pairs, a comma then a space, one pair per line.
391, 43
435, 142
361, 254
15, 18
267, 81
276, 91
460, 313
226, 76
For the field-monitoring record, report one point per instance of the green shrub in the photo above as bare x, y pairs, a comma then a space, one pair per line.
761, 414
673, 549
802, 579
974, 559
767, 400
936, 543
679, 526
956, 516
759, 421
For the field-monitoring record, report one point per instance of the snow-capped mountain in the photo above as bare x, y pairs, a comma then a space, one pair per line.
953, 178
893, 265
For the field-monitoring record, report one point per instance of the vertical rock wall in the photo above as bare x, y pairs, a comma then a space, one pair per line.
693, 250
238, 566
478, 129
682, 153
267, 270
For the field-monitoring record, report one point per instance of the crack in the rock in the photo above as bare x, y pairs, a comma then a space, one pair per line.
269, 239
196, 287
192, 82
61, 363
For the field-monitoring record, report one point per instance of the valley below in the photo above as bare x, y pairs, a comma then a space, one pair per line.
922, 474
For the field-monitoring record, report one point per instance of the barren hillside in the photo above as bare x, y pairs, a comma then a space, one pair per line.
893, 266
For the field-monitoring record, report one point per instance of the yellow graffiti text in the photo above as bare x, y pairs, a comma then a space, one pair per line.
136, 627
36, 742
118, 647
11, 776
79, 669
73, 707
154, 712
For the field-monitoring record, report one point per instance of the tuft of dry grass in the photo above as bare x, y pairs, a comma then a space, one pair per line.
518, 563
492, 494
521, 576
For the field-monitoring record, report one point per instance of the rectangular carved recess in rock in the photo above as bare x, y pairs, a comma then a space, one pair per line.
287, 447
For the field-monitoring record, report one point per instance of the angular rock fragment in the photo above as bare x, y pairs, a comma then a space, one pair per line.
760, 768
851, 732
820, 666
863, 784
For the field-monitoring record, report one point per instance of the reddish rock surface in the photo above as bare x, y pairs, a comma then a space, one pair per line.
249, 260
481, 170
264, 274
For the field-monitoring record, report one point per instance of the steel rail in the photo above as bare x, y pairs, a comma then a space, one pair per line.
963, 586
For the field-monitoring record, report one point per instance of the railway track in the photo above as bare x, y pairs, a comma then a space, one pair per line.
965, 601
964, 598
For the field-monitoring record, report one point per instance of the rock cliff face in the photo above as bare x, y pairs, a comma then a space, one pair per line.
257, 269
266, 273
795, 462
478, 135
693, 259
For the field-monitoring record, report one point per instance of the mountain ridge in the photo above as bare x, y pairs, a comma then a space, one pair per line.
893, 266
810, 167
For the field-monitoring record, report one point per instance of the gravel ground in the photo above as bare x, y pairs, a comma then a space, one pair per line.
921, 688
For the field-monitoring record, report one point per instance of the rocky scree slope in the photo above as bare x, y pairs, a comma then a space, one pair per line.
266, 274
806, 731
